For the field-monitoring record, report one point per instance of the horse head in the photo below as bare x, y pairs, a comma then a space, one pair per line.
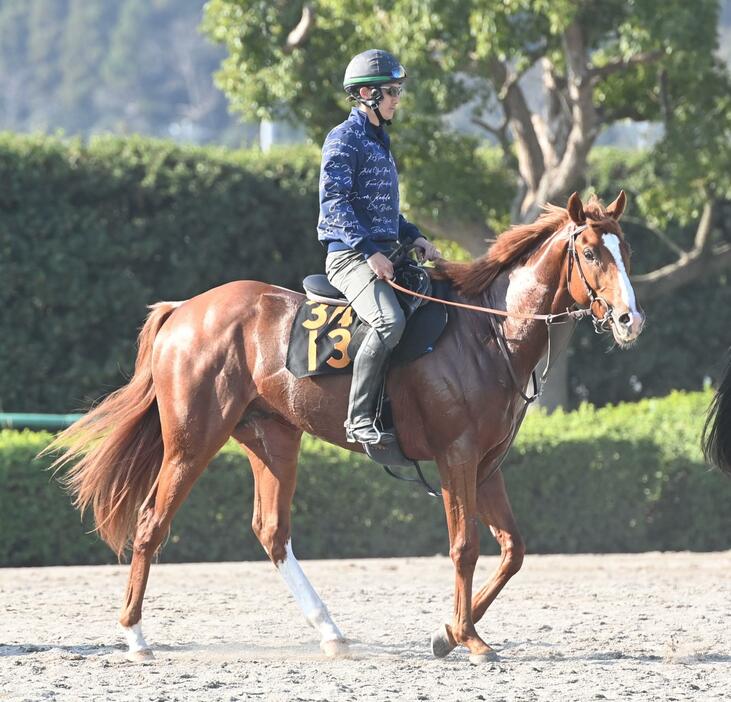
598, 267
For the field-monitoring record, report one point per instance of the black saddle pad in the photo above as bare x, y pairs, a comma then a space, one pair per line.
325, 338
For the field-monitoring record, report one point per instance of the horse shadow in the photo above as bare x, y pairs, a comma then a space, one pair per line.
80, 650
553, 655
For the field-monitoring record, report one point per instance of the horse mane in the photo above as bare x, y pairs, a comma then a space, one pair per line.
473, 278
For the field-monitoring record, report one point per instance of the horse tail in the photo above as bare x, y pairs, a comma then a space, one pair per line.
716, 441
115, 450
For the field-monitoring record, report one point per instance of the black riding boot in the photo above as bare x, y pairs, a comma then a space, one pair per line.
365, 389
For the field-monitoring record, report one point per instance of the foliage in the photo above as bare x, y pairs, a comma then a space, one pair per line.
684, 341
92, 234
630, 476
644, 60
454, 178
626, 478
86, 65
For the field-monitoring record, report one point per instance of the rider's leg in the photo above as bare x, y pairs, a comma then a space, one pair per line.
375, 302
369, 368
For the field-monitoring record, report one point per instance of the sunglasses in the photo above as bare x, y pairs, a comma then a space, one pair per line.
392, 90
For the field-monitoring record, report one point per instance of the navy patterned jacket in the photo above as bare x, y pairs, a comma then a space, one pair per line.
359, 196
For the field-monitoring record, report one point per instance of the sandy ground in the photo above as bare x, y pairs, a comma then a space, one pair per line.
645, 627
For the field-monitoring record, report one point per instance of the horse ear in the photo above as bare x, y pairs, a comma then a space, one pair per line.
617, 207
576, 209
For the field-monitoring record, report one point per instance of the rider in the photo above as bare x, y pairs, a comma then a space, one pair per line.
361, 226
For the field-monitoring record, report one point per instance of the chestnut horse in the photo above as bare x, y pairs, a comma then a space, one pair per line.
214, 366
717, 430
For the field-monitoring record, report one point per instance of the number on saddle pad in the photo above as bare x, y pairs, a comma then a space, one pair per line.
324, 339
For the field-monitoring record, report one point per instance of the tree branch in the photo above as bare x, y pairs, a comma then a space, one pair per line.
665, 104
530, 156
532, 58
702, 260
584, 122
500, 133
298, 36
678, 250
597, 73
470, 235
553, 132
662, 281
702, 240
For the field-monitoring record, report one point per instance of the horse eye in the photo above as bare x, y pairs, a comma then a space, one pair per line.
588, 254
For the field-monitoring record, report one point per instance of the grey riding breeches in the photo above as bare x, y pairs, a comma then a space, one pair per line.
373, 302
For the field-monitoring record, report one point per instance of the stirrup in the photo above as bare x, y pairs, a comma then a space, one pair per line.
368, 434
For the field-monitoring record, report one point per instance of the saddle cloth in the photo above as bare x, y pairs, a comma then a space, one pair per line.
324, 338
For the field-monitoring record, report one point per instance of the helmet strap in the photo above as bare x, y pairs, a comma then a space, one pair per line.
373, 102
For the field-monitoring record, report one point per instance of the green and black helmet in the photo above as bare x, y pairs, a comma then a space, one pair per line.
372, 67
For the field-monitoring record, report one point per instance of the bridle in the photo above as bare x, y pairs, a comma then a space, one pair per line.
601, 324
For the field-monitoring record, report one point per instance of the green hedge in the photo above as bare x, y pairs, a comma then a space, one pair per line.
625, 478
90, 234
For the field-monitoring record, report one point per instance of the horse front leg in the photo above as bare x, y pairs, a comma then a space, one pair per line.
496, 513
459, 488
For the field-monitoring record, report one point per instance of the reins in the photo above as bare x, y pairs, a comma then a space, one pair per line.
600, 325
548, 318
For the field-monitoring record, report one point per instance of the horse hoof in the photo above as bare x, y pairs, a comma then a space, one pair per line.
140, 655
441, 645
335, 648
481, 658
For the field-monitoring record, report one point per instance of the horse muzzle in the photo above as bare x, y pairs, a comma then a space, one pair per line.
627, 325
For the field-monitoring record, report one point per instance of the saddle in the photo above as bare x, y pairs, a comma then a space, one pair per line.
326, 333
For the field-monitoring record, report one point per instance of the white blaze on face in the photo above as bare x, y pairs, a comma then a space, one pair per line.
611, 241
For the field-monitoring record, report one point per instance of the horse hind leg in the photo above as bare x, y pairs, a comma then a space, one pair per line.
177, 476
273, 447
187, 454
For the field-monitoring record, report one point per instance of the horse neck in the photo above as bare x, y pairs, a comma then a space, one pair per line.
537, 286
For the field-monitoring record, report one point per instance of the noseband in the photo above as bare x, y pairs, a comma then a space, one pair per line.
601, 324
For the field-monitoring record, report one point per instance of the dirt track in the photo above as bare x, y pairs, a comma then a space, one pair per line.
645, 627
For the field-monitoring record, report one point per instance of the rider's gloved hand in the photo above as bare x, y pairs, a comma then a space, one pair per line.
381, 266
427, 249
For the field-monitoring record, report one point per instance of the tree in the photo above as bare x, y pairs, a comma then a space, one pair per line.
157, 71
84, 40
541, 78
45, 24
87, 66
13, 63
591, 63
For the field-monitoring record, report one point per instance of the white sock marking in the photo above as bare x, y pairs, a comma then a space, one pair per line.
308, 600
135, 639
